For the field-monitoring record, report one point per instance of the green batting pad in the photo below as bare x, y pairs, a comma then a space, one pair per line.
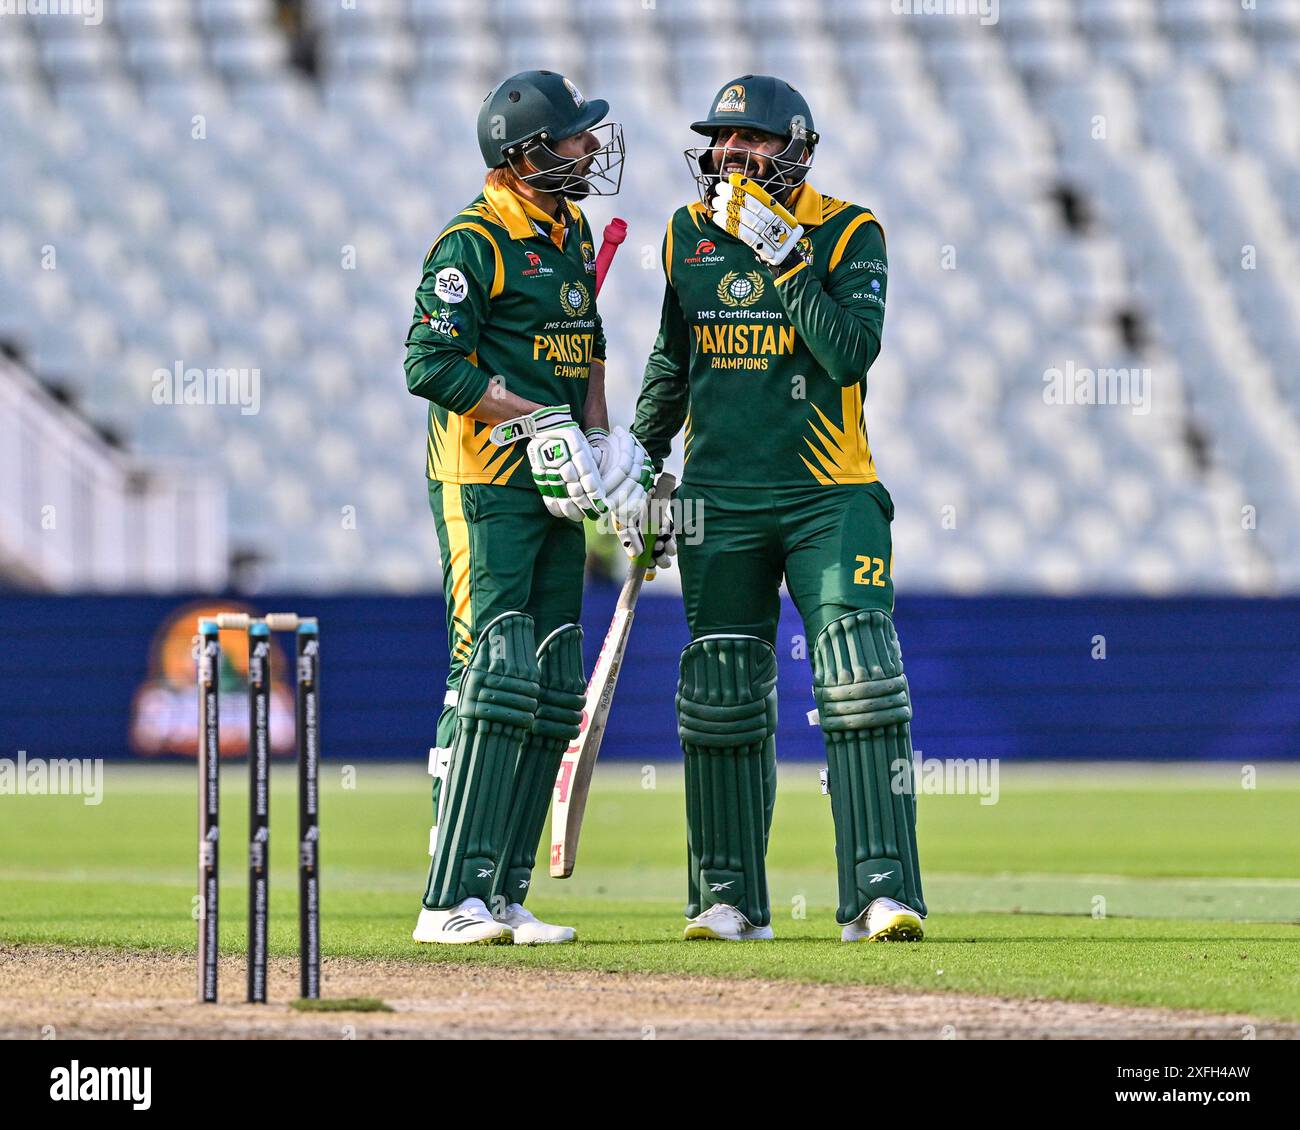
865, 711
559, 718
726, 719
495, 712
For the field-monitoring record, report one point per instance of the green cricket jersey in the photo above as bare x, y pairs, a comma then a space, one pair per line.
766, 369
508, 294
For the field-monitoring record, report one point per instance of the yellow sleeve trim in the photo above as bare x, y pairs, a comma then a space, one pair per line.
791, 273
842, 243
499, 278
668, 253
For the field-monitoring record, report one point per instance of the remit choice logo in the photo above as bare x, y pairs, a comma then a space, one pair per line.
535, 266
705, 252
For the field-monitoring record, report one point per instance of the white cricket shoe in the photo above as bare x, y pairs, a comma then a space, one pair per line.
464, 924
529, 930
724, 923
884, 920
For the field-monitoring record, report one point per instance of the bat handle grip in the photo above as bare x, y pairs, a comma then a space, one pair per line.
615, 233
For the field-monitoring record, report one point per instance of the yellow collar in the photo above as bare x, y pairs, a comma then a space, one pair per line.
806, 204
518, 214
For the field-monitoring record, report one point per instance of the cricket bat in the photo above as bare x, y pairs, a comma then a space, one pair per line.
573, 782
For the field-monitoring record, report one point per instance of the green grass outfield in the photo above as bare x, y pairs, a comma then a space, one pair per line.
1200, 879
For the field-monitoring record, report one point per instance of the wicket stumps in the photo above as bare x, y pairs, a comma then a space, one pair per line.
307, 736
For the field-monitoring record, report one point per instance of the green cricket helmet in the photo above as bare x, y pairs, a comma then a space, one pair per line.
759, 102
523, 115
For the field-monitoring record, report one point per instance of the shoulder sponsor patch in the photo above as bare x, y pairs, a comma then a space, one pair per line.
442, 322
451, 285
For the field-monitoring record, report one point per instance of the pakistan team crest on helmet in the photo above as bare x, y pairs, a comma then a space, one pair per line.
740, 290
574, 93
575, 299
732, 100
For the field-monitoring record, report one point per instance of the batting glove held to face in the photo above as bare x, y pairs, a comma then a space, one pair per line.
564, 466
743, 209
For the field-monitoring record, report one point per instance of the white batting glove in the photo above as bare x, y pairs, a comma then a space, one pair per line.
627, 473
651, 538
743, 209
627, 476
663, 548
564, 466
601, 448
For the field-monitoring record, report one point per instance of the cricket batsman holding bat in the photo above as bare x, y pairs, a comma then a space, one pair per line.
771, 318
506, 333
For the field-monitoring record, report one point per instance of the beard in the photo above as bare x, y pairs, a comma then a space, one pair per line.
571, 184
755, 165
577, 187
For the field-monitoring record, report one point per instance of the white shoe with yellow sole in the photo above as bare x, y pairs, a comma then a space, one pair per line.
885, 920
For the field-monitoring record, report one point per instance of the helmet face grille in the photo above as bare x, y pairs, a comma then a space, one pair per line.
778, 173
598, 173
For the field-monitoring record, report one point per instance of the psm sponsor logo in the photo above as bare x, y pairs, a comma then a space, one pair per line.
451, 285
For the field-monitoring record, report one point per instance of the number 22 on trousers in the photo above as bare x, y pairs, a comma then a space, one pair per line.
873, 565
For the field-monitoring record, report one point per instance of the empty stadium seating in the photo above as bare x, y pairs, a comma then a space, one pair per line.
1096, 184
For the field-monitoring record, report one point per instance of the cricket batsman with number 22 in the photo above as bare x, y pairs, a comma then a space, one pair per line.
772, 316
506, 345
